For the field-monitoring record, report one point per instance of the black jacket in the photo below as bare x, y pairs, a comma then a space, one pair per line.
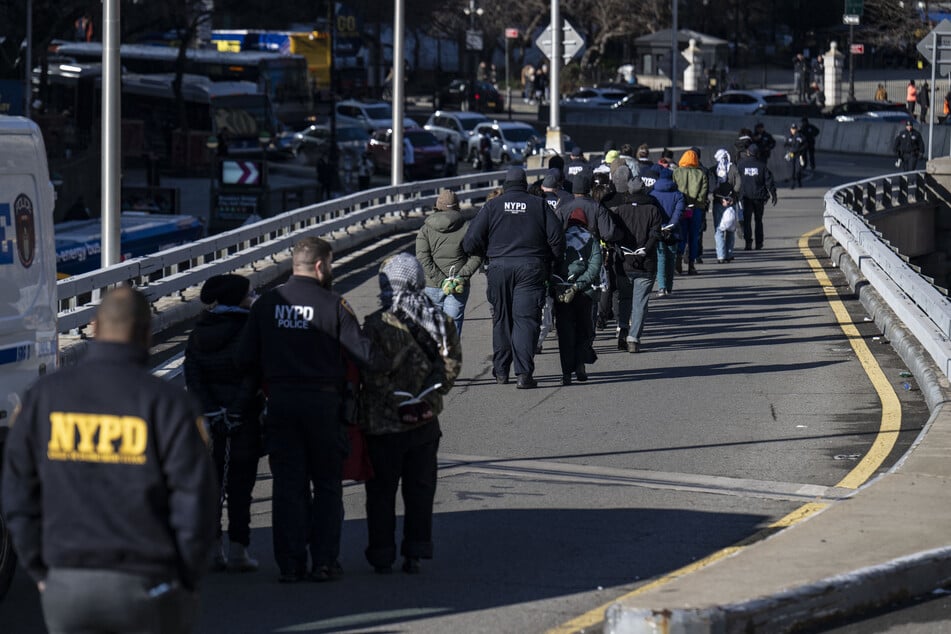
296, 333
909, 143
640, 222
515, 225
210, 371
105, 468
756, 181
599, 221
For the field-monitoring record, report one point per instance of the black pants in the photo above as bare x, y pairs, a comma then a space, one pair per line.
575, 333
242, 472
795, 171
811, 156
105, 601
408, 459
909, 162
753, 210
516, 290
307, 444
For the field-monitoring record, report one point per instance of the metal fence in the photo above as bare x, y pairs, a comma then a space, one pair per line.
920, 305
169, 273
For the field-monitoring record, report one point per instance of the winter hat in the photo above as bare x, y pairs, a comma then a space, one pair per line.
514, 177
611, 156
556, 162
447, 200
635, 185
753, 150
581, 182
576, 152
578, 217
225, 290
620, 177
552, 178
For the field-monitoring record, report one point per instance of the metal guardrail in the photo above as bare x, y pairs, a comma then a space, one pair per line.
168, 273
921, 306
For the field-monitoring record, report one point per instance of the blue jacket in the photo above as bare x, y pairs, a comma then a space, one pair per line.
671, 201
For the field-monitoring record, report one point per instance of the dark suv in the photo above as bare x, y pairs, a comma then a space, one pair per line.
477, 96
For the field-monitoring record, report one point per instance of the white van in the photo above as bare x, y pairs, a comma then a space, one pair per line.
28, 302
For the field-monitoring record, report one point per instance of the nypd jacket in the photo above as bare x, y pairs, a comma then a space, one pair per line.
295, 334
517, 226
756, 181
105, 468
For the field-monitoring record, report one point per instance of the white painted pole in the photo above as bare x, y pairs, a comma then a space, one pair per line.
396, 148
553, 139
674, 54
111, 135
28, 88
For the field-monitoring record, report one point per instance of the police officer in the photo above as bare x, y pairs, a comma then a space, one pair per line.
809, 132
108, 489
756, 187
521, 238
908, 147
574, 164
552, 190
795, 146
293, 342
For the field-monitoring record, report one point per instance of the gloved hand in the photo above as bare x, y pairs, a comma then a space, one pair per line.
460, 286
566, 296
413, 413
773, 199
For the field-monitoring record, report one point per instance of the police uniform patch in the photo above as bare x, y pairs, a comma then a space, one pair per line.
25, 228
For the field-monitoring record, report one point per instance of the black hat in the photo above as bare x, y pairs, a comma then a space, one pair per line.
909, 122
552, 178
515, 176
609, 145
227, 290
576, 151
753, 150
581, 182
793, 126
556, 162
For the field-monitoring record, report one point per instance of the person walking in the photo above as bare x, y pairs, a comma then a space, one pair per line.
553, 195
911, 97
756, 187
403, 432
294, 343
800, 76
232, 407
763, 140
447, 267
726, 216
521, 238
908, 147
636, 262
880, 93
672, 204
924, 102
795, 146
723, 174
691, 180
108, 490
809, 133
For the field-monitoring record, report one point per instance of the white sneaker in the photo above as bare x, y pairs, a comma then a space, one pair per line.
239, 560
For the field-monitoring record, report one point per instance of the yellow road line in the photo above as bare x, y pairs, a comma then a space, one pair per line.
885, 440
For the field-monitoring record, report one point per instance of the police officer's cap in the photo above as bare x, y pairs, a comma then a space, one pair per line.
793, 126
909, 122
576, 151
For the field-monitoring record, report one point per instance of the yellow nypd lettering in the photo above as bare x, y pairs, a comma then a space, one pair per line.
102, 438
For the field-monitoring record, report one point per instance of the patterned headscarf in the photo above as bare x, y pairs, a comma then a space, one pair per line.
401, 292
723, 164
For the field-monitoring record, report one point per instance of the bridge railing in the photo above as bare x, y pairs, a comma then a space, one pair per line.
168, 273
917, 302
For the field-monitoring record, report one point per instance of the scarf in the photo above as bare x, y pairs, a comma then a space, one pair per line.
401, 292
723, 164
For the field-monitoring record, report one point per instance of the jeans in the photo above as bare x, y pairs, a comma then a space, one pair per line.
724, 239
516, 290
690, 233
634, 291
453, 305
665, 266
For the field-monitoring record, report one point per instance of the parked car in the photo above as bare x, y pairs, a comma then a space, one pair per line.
688, 100
512, 141
371, 115
429, 155
861, 109
621, 86
595, 97
747, 102
641, 99
454, 124
475, 96
314, 141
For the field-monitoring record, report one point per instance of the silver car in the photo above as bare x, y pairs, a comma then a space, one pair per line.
314, 141
456, 125
512, 141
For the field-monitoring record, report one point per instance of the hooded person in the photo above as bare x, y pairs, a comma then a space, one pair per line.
672, 204
598, 219
233, 406
575, 278
724, 175
636, 262
693, 183
447, 266
521, 239
402, 432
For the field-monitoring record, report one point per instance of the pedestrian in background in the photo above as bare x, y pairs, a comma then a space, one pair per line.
818, 71
924, 102
911, 97
756, 187
809, 134
880, 93
115, 533
908, 147
795, 147
724, 174
294, 343
447, 266
800, 76
763, 140
232, 406
691, 180
521, 238
672, 204
403, 432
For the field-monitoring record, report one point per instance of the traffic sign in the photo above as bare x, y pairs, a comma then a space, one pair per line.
857, 49
851, 19
240, 173
511, 33
473, 40
572, 42
941, 35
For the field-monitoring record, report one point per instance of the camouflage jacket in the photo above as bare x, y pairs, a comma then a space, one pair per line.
416, 365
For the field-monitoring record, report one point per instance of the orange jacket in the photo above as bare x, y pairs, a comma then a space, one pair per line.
912, 93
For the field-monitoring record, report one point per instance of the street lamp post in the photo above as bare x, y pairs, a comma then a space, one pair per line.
472, 11
212, 144
264, 139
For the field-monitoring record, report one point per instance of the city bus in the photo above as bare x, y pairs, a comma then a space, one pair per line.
283, 78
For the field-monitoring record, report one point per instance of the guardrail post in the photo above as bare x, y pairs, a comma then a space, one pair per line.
869, 198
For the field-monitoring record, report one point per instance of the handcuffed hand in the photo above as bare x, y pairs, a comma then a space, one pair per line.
640, 252
567, 295
413, 413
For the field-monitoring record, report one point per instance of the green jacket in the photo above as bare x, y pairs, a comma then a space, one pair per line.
417, 365
693, 184
439, 248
